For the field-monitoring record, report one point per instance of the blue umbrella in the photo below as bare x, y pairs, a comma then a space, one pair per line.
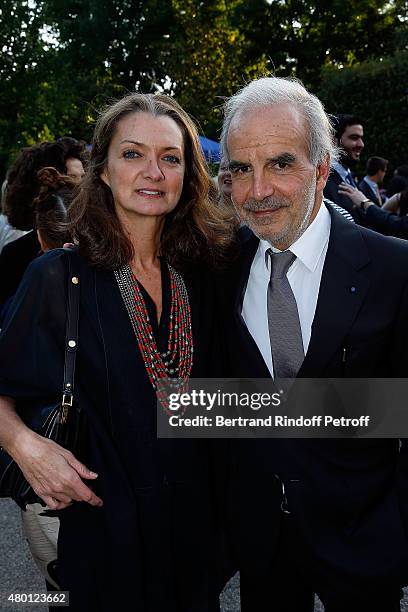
211, 149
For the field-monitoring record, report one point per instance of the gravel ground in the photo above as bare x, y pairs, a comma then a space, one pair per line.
17, 569
19, 573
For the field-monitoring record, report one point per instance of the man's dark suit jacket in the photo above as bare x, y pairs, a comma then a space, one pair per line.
349, 497
386, 222
369, 192
331, 192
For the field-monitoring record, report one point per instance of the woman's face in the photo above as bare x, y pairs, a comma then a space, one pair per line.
145, 167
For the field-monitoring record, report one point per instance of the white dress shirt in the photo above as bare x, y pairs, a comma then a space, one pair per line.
304, 277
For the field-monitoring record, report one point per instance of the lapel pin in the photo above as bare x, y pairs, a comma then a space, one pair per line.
353, 289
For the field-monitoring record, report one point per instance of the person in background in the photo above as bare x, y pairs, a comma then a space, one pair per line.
376, 169
383, 220
51, 208
49, 215
398, 203
7, 232
22, 188
50, 222
75, 157
349, 136
224, 178
399, 181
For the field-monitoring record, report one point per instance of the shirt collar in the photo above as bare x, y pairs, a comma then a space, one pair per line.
372, 184
309, 247
344, 172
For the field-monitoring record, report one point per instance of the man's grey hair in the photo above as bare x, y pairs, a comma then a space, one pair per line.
269, 91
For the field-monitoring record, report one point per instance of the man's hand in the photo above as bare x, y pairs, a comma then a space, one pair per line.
355, 195
53, 472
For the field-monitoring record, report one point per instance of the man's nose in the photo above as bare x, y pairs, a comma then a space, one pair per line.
152, 170
262, 187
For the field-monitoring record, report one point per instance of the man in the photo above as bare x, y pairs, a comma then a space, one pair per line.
311, 295
376, 169
349, 137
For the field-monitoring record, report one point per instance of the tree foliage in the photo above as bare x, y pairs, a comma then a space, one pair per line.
210, 58
62, 60
377, 92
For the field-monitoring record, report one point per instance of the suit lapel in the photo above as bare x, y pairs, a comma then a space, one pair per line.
370, 193
343, 288
374, 195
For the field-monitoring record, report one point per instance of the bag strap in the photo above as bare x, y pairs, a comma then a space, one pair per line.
71, 336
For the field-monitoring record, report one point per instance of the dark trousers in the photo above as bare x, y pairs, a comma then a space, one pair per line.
294, 581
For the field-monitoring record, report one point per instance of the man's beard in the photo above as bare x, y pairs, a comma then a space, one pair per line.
346, 160
288, 235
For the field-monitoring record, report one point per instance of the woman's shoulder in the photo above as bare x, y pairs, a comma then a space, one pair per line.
52, 268
58, 259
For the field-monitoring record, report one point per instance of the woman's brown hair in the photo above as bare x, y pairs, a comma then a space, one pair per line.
51, 207
22, 182
196, 230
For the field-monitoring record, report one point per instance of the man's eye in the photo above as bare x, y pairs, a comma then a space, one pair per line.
130, 154
240, 169
282, 165
173, 159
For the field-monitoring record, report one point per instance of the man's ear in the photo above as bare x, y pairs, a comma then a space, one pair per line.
105, 177
322, 173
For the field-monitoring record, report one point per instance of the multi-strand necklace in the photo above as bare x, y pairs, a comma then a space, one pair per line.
175, 362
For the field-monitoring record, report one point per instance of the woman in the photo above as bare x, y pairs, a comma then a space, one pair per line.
50, 212
22, 188
142, 533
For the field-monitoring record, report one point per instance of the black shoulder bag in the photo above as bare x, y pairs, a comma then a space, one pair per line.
62, 420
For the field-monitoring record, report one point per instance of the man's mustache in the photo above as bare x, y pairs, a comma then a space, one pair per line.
269, 203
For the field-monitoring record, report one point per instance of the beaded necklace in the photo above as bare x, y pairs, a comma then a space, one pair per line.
176, 362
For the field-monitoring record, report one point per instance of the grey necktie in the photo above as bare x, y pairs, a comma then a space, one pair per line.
283, 317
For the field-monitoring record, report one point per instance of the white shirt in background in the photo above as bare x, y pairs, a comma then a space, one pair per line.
7, 232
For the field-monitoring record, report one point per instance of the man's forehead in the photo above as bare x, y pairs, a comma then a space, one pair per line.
266, 126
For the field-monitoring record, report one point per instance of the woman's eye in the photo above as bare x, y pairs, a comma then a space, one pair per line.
173, 159
130, 154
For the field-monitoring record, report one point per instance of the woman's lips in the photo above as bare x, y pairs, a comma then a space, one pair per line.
150, 193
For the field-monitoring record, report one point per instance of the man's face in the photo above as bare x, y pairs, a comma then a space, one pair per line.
352, 141
276, 190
